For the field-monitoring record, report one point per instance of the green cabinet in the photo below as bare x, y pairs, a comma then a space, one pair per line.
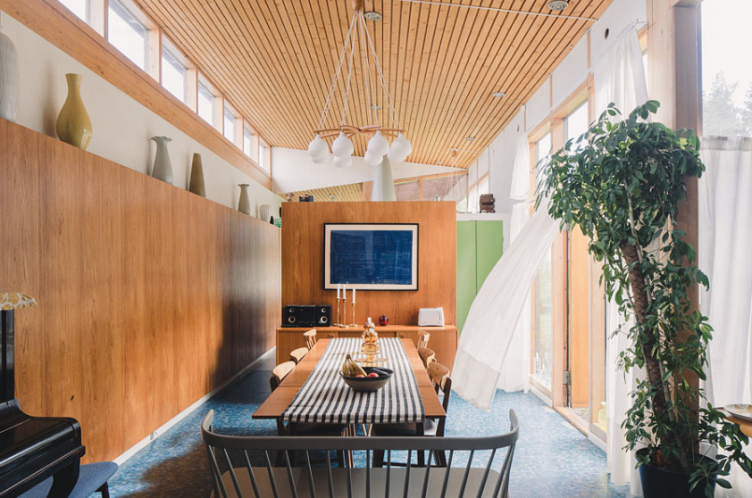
480, 244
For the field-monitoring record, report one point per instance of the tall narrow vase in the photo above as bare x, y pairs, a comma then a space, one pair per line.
8, 78
73, 123
162, 166
196, 184
244, 205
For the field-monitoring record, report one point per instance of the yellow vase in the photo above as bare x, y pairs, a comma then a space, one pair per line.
73, 123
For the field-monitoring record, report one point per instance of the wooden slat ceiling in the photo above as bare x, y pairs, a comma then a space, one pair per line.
341, 193
274, 60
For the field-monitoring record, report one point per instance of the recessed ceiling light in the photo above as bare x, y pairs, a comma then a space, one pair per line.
558, 5
439, 162
376, 107
373, 16
498, 95
470, 139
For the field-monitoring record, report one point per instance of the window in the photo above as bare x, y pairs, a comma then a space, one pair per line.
472, 200
230, 123
174, 72
127, 33
264, 156
78, 7
247, 142
543, 148
483, 187
576, 124
206, 102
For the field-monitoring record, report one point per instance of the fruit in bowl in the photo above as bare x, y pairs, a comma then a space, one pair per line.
364, 379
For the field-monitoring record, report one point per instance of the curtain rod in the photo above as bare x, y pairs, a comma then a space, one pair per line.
507, 11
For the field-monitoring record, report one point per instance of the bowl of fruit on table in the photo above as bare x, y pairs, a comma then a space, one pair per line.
364, 379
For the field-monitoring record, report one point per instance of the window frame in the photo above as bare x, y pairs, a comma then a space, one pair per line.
264, 160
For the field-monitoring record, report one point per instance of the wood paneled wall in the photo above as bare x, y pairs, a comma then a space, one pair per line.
149, 296
303, 257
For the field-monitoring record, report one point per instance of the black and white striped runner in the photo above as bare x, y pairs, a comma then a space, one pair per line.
325, 398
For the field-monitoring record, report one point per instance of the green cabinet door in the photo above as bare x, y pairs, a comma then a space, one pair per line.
466, 270
489, 246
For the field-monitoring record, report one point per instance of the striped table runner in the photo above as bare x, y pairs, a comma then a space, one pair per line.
325, 398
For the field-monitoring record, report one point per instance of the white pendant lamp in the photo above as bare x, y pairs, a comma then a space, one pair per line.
342, 162
371, 159
342, 146
400, 149
378, 146
318, 148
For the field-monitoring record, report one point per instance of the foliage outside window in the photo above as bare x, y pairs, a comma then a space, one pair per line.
622, 189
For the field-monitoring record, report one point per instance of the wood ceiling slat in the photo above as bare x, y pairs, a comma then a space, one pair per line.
274, 60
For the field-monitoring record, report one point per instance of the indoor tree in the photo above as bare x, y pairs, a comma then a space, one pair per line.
622, 183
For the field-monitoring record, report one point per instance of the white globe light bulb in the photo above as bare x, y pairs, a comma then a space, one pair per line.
371, 159
378, 146
342, 162
400, 149
318, 148
342, 146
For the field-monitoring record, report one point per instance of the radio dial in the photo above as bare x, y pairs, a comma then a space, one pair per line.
290, 319
323, 320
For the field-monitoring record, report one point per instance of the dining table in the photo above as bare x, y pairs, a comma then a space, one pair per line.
277, 403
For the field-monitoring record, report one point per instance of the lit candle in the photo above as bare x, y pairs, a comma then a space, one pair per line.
353, 295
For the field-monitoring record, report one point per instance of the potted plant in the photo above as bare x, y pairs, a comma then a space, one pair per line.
622, 183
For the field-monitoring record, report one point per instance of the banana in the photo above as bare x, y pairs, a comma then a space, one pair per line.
350, 368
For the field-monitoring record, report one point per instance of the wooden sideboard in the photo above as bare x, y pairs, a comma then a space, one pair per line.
443, 340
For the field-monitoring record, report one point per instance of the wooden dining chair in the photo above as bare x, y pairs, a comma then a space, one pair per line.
279, 373
426, 356
423, 337
442, 383
310, 337
297, 355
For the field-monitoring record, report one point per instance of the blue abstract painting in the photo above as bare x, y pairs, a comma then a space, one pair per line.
372, 257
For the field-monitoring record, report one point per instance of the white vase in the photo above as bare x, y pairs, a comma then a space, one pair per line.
9, 83
162, 166
265, 212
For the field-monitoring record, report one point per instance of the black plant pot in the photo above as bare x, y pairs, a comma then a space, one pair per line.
659, 483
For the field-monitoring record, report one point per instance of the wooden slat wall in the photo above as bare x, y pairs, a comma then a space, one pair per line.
149, 296
303, 257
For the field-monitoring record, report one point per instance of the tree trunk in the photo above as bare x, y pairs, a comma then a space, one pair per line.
652, 365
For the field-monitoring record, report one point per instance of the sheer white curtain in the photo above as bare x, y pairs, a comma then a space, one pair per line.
725, 222
619, 77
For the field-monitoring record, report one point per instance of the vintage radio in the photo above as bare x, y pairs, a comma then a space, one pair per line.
307, 315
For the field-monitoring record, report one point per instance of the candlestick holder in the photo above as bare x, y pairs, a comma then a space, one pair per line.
353, 324
344, 312
336, 320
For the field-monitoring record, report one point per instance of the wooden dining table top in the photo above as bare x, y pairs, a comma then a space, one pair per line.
281, 398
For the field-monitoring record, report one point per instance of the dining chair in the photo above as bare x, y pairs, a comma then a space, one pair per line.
423, 337
442, 383
426, 356
310, 338
279, 373
297, 355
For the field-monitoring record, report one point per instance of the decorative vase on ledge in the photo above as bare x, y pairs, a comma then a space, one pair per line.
162, 166
196, 185
73, 123
8, 78
244, 204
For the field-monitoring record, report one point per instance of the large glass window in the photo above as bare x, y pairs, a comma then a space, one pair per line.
206, 103
127, 33
576, 124
78, 7
264, 156
173, 74
230, 124
247, 141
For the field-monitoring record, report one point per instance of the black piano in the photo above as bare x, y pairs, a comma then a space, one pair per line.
32, 448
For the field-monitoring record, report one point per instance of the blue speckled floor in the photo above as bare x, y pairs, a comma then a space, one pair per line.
553, 459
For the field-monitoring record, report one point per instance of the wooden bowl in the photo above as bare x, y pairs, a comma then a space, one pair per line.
369, 384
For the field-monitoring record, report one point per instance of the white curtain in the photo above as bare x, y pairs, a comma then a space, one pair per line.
619, 77
490, 328
725, 239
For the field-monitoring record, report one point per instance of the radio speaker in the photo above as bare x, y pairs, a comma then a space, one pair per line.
307, 315
324, 315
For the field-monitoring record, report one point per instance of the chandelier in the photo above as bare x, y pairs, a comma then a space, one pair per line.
378, 145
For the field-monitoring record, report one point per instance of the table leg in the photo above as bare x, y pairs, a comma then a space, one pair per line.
64, 481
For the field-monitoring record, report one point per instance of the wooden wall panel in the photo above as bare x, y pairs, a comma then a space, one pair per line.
303, 257
149, 296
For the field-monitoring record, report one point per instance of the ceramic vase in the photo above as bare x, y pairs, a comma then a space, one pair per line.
196, 184
9, 83
73, 123
265, 212
244, 205
162, 166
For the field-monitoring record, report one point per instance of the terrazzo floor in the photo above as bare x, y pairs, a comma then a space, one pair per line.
552, 459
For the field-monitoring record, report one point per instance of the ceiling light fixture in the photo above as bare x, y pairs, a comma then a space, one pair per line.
470, 139
376, 107
372, 16
378, 146
558, 5
498, 95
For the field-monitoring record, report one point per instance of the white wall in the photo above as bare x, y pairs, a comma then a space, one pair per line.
294, 171
122, 126
567, 76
